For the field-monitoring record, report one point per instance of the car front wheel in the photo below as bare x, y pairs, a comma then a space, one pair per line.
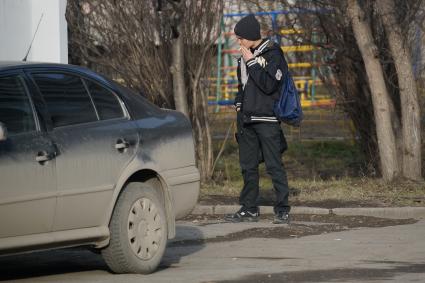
138, 231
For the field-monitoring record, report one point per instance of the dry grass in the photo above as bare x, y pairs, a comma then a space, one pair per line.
321, 172
363, 190
359, 191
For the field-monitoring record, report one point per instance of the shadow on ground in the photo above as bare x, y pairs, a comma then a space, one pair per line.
336, 275
53, 262
73, 260
175, 250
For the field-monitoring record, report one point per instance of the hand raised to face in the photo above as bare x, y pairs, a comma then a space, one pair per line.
246, 53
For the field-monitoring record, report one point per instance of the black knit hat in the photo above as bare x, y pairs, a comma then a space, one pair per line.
248, 28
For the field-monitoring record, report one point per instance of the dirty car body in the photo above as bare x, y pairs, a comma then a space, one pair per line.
84, 161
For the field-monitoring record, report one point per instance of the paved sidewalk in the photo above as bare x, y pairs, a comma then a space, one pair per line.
384, 212
387, 254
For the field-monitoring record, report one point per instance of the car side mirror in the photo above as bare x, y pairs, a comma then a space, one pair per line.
3, 132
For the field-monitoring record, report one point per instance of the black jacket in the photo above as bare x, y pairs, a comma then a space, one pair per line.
265, 77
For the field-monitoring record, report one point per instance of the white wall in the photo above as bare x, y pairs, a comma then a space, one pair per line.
18, 22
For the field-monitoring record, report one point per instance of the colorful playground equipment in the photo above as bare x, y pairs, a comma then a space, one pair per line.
224, 84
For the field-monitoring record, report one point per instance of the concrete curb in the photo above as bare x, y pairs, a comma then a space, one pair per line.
383, 212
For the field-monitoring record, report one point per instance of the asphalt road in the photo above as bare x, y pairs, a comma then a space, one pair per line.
204, 252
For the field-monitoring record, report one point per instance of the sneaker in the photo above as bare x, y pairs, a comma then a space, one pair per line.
281, 218
243, 216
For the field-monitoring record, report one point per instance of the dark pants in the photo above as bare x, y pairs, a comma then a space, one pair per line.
262, 141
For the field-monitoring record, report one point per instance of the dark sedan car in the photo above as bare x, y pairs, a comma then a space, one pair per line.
84, 161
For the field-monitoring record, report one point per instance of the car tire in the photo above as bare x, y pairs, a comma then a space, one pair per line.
138, 231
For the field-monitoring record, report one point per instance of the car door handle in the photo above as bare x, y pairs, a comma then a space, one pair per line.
43, 156
122, 144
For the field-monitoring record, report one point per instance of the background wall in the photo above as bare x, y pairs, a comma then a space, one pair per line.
18, 22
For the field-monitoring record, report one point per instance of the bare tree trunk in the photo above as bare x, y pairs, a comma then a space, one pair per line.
201, 112
177, 71
380, 97
207, 137
410, 115
201, 32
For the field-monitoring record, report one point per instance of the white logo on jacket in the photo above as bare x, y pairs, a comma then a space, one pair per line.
278, 75
260, 60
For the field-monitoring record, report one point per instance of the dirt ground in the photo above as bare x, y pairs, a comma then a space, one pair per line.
301, 225
268, 198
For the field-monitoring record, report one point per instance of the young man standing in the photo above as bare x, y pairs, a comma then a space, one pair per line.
260, 75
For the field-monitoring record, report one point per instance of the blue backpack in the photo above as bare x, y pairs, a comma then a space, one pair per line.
288, 108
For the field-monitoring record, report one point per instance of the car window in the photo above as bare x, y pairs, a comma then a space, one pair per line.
15, 107
66, 98
106, 102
